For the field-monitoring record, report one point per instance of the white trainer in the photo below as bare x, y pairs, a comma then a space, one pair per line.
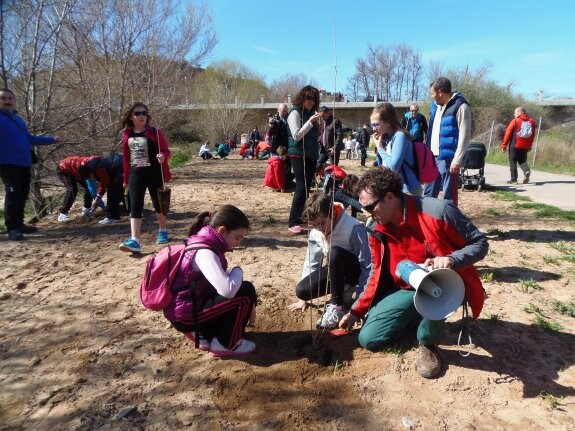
242, 347
64, 218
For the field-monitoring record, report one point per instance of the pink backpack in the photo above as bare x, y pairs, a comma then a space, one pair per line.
425, 168
160, 273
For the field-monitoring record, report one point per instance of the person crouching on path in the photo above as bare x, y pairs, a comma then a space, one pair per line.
68, 172
109, 172
146, 156
424, 230
343, 241
210, 301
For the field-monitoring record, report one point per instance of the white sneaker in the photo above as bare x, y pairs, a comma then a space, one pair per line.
330, 318
64, 218
109, 220
242, 347
203, 343
86, 211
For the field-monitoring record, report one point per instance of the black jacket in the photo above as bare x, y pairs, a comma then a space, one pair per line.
333, 134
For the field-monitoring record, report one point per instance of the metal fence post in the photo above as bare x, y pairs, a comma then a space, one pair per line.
536, 141
490, 136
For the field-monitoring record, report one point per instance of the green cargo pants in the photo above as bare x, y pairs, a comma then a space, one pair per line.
392, 318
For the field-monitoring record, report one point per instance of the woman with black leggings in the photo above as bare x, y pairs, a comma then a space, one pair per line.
146, 156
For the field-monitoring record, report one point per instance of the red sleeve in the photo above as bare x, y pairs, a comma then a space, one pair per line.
508, 134
103, 180
165, 150
364, 302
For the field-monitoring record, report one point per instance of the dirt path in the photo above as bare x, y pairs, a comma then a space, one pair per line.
78, 351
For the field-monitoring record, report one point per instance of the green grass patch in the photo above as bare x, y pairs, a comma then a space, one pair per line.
550, 260
493, 212
565, 308
529, 286
270, 221
493, 317
546, 324
502, 195
553, 401
180, 156
567, 248
533, 309
486, 277
545, 211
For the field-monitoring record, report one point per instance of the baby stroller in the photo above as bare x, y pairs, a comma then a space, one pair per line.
474, 158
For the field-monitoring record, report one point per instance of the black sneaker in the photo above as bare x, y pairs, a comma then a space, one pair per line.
28, 229
15, 235
526, 179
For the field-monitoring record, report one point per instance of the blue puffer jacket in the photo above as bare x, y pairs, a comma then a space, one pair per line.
449, 130
16, 141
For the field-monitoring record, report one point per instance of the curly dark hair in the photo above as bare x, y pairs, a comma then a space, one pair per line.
380, 181
126, 120
304, 93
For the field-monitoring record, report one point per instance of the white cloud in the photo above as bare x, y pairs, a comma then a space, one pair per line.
264, 49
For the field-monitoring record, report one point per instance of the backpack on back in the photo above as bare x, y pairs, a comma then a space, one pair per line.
160, 273
526, 130
425, 168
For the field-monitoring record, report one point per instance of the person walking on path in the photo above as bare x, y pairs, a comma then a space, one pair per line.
16, 164
519, 137
448, 136
146, 156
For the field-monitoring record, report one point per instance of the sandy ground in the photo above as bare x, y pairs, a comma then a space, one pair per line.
79, 352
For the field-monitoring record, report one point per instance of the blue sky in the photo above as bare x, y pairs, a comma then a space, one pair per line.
529, 43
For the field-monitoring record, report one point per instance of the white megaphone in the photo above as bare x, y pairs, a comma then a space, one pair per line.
438, 292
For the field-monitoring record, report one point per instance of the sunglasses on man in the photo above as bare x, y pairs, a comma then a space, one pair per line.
371, 207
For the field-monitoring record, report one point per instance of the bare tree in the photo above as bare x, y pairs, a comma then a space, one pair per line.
225, 90
289, 85
391, 73
77, 64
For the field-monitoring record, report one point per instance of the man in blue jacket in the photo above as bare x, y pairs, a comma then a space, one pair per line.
16, 164
415, 123
448, 136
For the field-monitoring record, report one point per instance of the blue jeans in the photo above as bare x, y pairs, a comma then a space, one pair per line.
445, 181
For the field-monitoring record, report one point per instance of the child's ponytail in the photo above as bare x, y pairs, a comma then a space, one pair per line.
201, 220
228, 216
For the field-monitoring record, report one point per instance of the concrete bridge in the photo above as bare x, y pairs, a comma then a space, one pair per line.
351, 114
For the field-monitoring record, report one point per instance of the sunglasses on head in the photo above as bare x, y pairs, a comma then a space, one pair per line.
140, 113
371, 207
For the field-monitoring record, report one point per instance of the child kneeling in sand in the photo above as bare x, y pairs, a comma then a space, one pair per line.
342, 241
209, 302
